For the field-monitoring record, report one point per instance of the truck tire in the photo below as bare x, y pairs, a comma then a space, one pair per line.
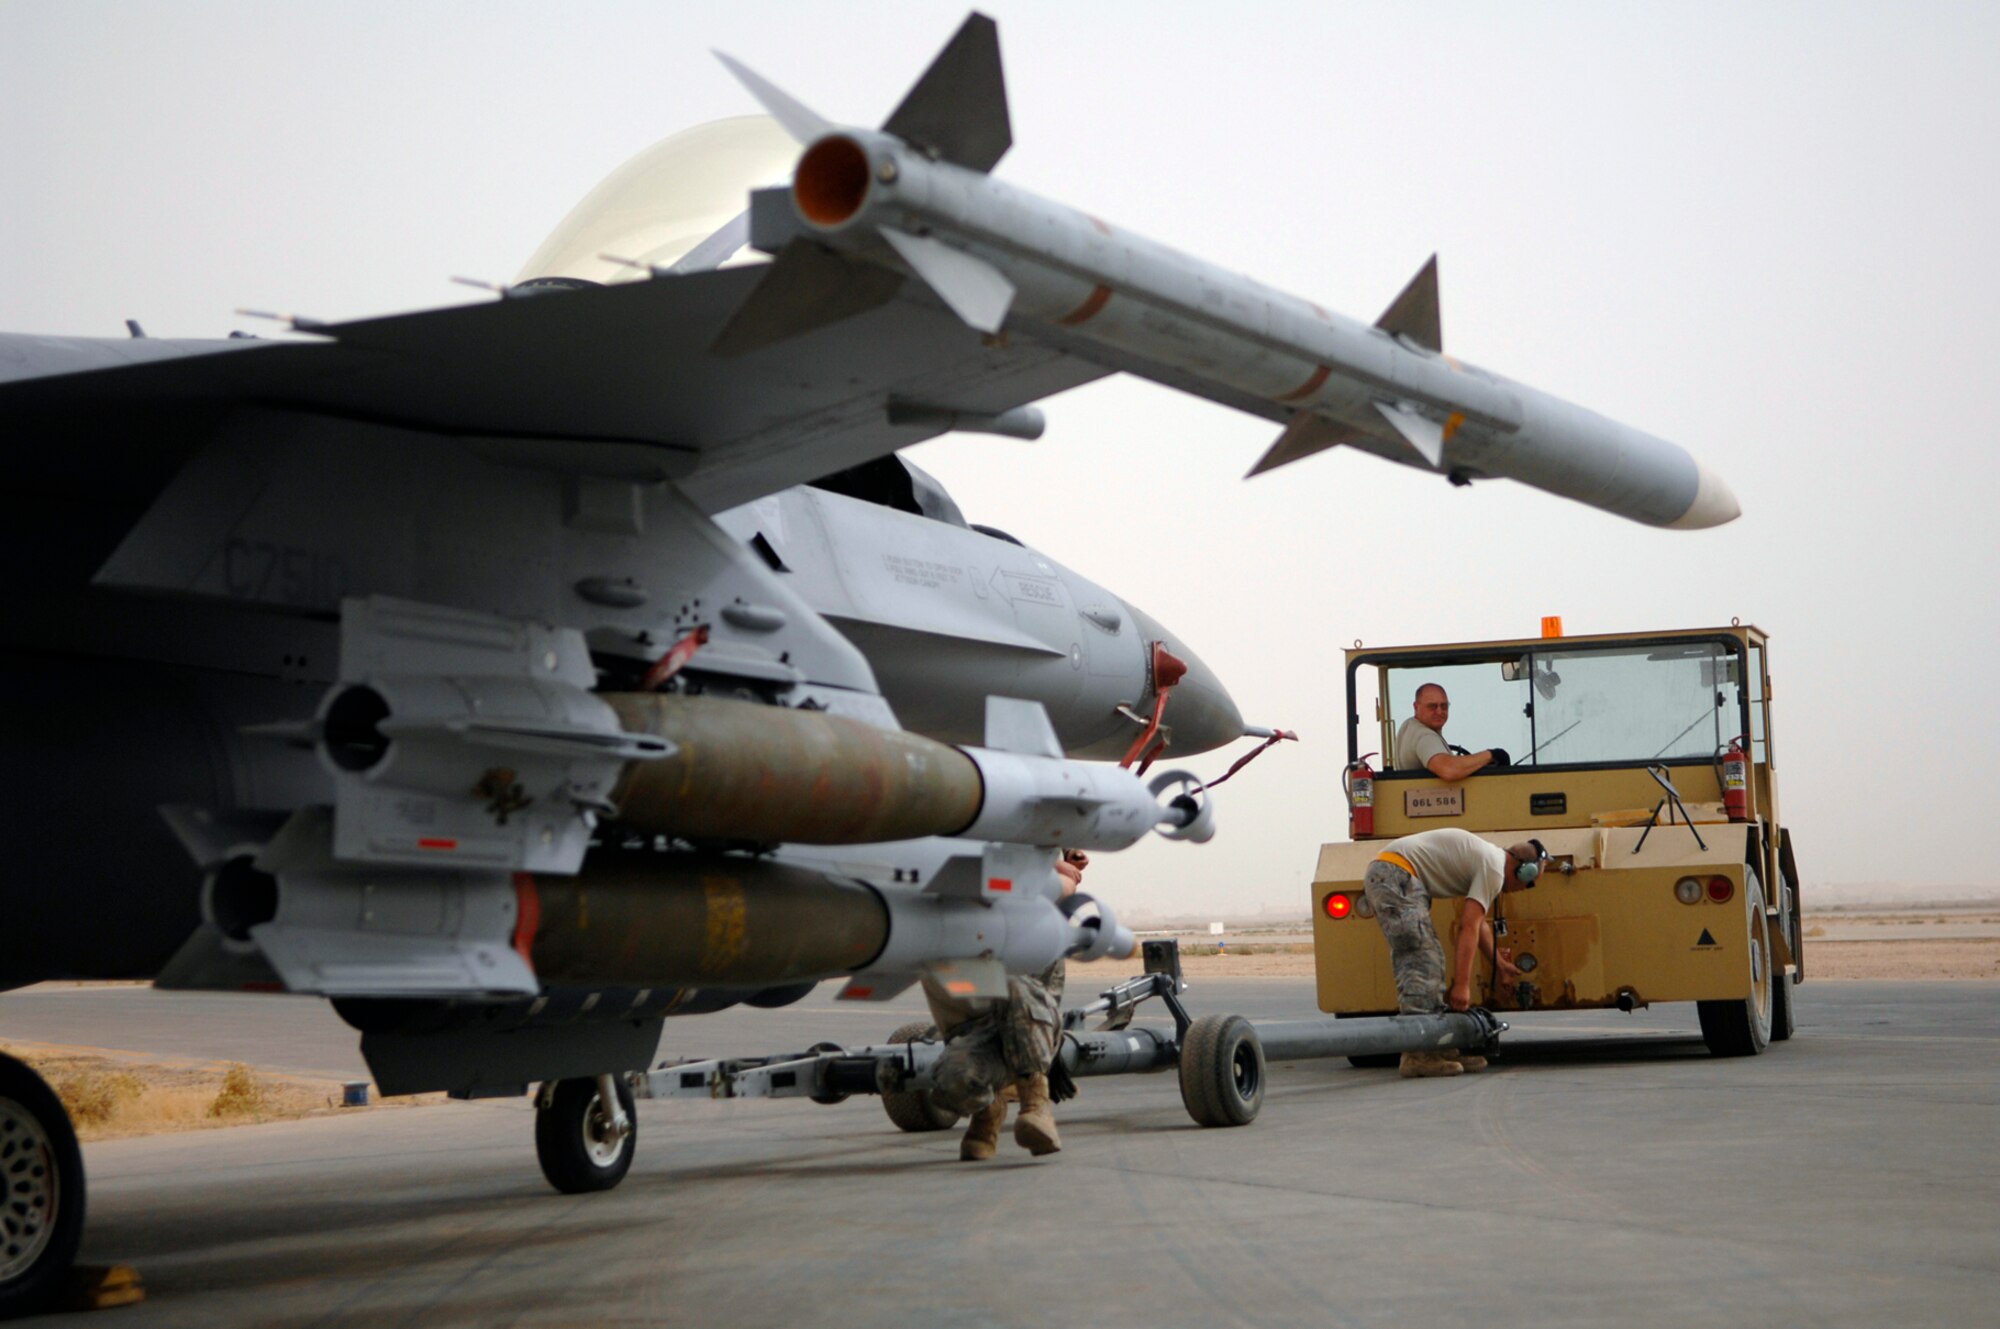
914, 1111
1222, 1071
1741, 1027
41, 1192
1782, 1023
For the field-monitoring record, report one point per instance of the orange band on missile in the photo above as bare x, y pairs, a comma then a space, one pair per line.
1092, 306
529, 922
1310, 386
1451, 424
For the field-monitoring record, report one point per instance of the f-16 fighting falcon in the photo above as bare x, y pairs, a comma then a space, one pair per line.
516, 675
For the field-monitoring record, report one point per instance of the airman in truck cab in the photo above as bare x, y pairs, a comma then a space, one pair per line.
1421, 746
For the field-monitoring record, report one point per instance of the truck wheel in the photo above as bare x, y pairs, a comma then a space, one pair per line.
1742, 1028
41, 1191
914, 1111
578, 1150
1222, 1071
1371, 1061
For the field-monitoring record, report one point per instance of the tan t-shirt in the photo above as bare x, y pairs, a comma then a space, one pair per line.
1416, 744
1454, 863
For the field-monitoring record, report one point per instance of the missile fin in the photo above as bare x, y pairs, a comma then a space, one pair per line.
800, 121
806, 288
967, 979
205, 963
1306, 434
958, 109
1425, 436
210, 837
873, 988
973, 288
1015, 725
963, 875
1414, 313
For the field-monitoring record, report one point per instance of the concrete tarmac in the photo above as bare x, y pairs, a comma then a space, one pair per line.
1609, 1172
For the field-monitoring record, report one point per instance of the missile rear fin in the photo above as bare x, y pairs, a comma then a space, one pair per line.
958, 109
800, 121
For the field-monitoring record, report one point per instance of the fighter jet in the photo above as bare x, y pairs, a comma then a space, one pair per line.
521, 673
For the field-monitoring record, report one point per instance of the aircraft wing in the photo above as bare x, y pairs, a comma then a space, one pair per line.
627, 370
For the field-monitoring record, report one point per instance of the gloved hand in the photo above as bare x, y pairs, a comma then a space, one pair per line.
1500, 758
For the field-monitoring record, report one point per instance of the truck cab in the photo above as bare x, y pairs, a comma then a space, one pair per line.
1644, 763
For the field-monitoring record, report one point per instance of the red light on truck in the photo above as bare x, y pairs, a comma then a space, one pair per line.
1721, 889
1339, 906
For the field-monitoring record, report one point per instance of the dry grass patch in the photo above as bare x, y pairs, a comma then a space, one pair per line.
111, 1096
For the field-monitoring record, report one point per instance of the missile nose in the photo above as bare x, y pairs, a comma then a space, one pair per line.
1200, 710
1713, 504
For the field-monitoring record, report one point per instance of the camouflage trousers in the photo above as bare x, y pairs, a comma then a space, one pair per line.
990, 1043
1403, 908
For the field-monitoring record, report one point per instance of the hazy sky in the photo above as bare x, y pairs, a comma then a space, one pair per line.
1763, 231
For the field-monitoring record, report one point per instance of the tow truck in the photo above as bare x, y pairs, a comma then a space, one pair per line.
1644, 764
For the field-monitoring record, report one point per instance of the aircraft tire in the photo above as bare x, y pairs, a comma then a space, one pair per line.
41, 1192
570, 1139
1222, 1071
1742, 1027
915, 1112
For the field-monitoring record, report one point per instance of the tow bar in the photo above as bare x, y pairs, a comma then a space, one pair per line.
1221, 1058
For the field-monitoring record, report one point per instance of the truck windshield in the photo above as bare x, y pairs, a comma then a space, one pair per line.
1608, 705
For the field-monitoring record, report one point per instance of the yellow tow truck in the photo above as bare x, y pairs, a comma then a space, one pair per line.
1645, 766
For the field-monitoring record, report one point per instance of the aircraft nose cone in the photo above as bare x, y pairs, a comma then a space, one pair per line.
1200, 709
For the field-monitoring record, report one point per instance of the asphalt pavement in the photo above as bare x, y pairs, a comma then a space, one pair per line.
1608, 1171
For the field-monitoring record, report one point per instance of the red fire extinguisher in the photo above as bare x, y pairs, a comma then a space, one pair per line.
1736, 780
1359, 781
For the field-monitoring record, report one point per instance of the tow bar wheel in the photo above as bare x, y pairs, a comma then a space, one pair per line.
1222, 1071
41, 1191
579, 1139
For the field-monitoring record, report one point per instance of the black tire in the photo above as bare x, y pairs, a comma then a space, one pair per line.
571, 1139
1782, 1022
828, 1099
1741, 1027
915, 1112
1371, 1061
41, 1192
1222, 1071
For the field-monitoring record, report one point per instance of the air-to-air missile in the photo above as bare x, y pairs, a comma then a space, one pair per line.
915, 197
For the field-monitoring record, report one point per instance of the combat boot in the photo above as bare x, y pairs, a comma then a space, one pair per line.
982, 1134
1035, 1124
1470, 1061
1424, 1065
